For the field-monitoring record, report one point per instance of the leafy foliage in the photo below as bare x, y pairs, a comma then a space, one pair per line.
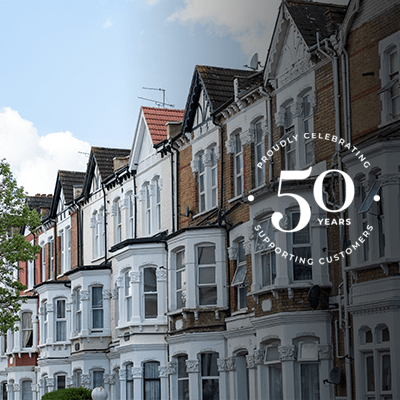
69, 394
14, 214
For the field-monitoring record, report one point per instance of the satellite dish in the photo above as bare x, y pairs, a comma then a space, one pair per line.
314, 296
335, 375
254, 62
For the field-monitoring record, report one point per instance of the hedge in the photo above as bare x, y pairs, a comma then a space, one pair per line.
69, 394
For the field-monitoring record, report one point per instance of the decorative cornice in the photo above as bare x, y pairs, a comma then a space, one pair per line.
287, 353
172, 368
247, 136
161, 274
194, 165
163, 372
259, 357
135, 276
247, 248
192, 366
137, 372
280, 118
250, 362
325, 352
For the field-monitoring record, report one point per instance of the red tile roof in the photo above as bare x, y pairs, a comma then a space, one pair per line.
156, 119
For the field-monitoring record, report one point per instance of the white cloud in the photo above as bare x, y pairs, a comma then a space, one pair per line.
250, 22
36, 159
152, 2
108, 23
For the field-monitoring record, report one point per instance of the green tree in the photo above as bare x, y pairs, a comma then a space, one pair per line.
14, 214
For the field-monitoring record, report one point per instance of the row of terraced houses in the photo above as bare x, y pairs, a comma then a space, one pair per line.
157, 278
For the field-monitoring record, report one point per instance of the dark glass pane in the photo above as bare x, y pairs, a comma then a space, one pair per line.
310, 382
302, 236
207, 295
150, 280
180, 260
98, 379
386, 373
210, 389
60, 308
385, 335
182, 367
275, 382
369, 360
60, 382
183, 390
152, 390
209, 365
206, 255
241, 253
97, 319
272, 354
151, 370
97, 297
206, 275
150, 306
302, 270
368, 336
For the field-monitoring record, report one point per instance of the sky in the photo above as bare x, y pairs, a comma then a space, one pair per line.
72, 71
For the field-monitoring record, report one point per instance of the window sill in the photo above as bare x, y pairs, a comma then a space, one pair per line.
233, 199
382, 262
205, 212
297, 285
242, 311
97, 259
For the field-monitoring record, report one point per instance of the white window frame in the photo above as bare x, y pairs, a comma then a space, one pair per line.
94, 309
43, 245
51, 257
77, 378
62, 242
45, 323
68, 248
78, 311
57, 383
26, 329
306, 119
127, 295
263, 252
389, 78
130, 214
60, 320
149, 294
259, 152
208, 377
185, 376
30, 274
205, 285
300, 245
239, 280
180, 291
289, 129
270, 364
117, 222
238, 164
201, 182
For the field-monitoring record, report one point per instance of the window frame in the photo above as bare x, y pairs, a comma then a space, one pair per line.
97, 371
60, 321
208, 377
241, 284
184, 378
27, 329
198, 270
127, 295
93, 309
157, 379
259, 152
56, 379
180, 290
238, 175
149, 293
78, 311
270, 364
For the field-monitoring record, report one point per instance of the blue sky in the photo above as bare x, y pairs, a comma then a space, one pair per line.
72, 71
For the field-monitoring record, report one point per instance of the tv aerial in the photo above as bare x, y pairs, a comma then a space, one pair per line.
162, 103
314, 298
254, 63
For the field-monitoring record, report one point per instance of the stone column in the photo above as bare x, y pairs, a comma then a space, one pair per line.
172, 370
121, 310
109, 382
163, 372
50, 384
227, 382
137, 375
260, 373
122, 382
85, 312
287, 356
325, 355
136, 297
193, 369
17, 391
107, 312
252, 368
161, 290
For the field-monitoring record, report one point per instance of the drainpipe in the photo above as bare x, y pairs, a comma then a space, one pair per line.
105, 222
172, 188
269, 112
221, 203
55, 249
342, 215
135, 203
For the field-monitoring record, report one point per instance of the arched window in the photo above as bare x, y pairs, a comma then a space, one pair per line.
129, 381
152, 386
242, 376
206, 275
183, 378
239, 279
97, 308
150, 293
209, 376
78, 311
26, 388
128, 295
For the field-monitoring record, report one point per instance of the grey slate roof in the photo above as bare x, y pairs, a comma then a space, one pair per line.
104, 157
38, 201
218, 83
310, 17
69, 179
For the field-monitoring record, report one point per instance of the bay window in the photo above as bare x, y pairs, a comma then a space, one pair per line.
45, 322
209, 376
151, 379
201, 176
61, 321
206, 278
97, 308
27, 330
150, 293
